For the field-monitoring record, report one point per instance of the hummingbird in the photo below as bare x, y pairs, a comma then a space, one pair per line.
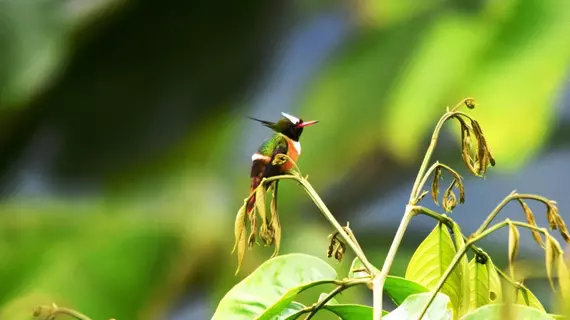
284, 140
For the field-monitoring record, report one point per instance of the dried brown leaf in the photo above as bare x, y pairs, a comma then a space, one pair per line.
260, 204
437, 175
483, 153
470, 103
461, 190
530, 219
449, 199
562, 229
466, 145
514, 240
276, 226
253, 229
551, 214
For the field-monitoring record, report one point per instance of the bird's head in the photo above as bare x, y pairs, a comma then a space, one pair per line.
288, 125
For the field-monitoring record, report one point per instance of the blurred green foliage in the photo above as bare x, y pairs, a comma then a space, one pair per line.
160, 224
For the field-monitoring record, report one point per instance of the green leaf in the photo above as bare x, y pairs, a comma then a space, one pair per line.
464, 270
397, 288
431, 259
493, 312
527, 298
291, 310
272, 287
414, 304
480, 284
351, 311
495, 287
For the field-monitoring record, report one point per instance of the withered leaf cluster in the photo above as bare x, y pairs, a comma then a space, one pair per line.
337, 247
555, 220
270, 229
449, 199
476, 156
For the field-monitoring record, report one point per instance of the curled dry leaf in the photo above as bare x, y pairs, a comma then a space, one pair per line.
470, 103
275, 225
555, 220
483, 154
435, 184
563, 229
337, 247
530, 219
514, 240
461, 190
253, 229
466, 146
449, 199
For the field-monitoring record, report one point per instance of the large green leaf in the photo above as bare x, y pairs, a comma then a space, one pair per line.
414, 304
268, 290
431, 259
480, 284
495, 286
397, 288
493, 312
464, 270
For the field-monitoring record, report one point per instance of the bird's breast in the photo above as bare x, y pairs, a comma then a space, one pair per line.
293, 151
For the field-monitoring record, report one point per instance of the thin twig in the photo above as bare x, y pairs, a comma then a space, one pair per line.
342, 285
502, 204
54, 311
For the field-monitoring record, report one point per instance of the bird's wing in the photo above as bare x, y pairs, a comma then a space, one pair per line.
261, 166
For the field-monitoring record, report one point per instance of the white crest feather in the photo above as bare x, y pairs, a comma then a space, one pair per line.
291, 118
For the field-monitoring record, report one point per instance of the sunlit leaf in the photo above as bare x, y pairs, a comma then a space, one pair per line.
495, 287
431, 259
293, 308
527, 298
397, 288
463, 268
414, 304
480, 284
273, 286
514, 240
493, 312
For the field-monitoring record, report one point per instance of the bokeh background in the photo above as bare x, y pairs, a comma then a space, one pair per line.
125, 147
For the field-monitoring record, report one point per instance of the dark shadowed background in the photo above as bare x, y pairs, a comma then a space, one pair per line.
125, 150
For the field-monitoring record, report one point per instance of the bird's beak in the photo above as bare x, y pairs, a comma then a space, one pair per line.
307, 123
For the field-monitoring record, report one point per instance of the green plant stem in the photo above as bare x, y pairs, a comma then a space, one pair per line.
428, 173
502, 204
58, 311
324, 301
427, 158
329, 216
378, 280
